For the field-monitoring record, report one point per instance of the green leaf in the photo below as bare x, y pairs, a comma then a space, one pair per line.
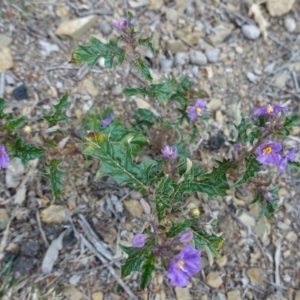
147, 43
161, 91
212, 241
92, 53
54, 175
59, 110
116, 159
214, 183
243, 130
251, 167
292, 120
178, 227
135, 91
141, 66
136, 257
26, 152
147, 269
2, 107
130, 16
145, 118
254, 135
268, 208
294, 164
14, 124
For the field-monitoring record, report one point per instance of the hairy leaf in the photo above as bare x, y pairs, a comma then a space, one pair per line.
178, 227
54, 175
243, 128
145, 118
212, 241
59, 110
251, 167
147, 269
135, 91
116, 160
2, 107
136, 257
14, 124
92, 53
142, 67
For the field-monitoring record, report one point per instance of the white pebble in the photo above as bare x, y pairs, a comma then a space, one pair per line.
290, 24
251, 32
198, 58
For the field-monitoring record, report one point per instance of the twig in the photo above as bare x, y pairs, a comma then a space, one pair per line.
101, 11
2, 84
57, 41
277, 262
261, 249
41, 229
100, 257
295, 81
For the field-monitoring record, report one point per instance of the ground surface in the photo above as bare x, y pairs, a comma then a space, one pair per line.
259, 260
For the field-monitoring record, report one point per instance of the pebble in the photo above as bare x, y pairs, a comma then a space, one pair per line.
176, 46
105, 28
213, 55
155, 4
141, 103
47, 48
246, 219
251, 32
183, 293
117, 90
214, 279
74, 279
252, 77
54, 214
97, 296
181, 58
214, 104
281, 80
222, 261
234, 295
256, 276
5, 41
279, 7
291, 236
283, 226
20, 92
165, 63
297, 295
198, 58
134, 208
4, 218
219, 35
189, 10
6, 60
290, 24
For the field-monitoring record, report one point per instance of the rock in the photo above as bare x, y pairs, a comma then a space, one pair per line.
89, 86
234, 295
155, 40
213, 55
246, 219
155, 4
166, 63
172, 14
6, 60
105, 28
54, 214
74, 279
203, 297
256, 276
71, 293
222, 261
214, 104
117, 90
294, 66
251, 32
214, 279
291, 237
5, 41
20, 92
97, 296
181, 58
183, 293
281, 80
194, 37
290, 24
252, 77
219, 36
279, 7
109, 235
47, 48
30, 248
176, 46
297, 295
198, 58
75, 28
283, 226
189, 10
134, 208
141, 103
4, 218
23, 265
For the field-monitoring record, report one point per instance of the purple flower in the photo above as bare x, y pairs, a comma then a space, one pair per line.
268, 153
269, 110
268, 196
197, 110
170, 152
4, 158
185, 236
123, 23
107, 121
290, 156
184, 264
237, 147
138, 241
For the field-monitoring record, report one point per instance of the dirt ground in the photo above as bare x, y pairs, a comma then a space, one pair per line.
236, 66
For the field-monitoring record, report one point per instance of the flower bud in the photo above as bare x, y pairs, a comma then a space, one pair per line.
185, 236
196, 212
138, 241
145, 206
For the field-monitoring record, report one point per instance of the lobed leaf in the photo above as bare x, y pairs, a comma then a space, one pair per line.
147, 269
178, 227
252, 166
147, 42
54, 176
58, 112
2, 107
142, 67
14, 124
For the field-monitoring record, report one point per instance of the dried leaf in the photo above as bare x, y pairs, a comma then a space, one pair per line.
52, 254
259, 18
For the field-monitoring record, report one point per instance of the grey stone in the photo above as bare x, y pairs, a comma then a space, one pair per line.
198, 58
105, 28
252, 77
290, 24
176, 46
213, 55
251, 32
181, 58
219, 35
279, 7
4, 41
165, 63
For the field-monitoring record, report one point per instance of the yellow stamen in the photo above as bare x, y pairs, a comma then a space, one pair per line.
267, 150
180, 264
171, 152
270, 109
198, 110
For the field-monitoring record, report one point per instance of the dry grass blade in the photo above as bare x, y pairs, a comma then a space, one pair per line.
259, 18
